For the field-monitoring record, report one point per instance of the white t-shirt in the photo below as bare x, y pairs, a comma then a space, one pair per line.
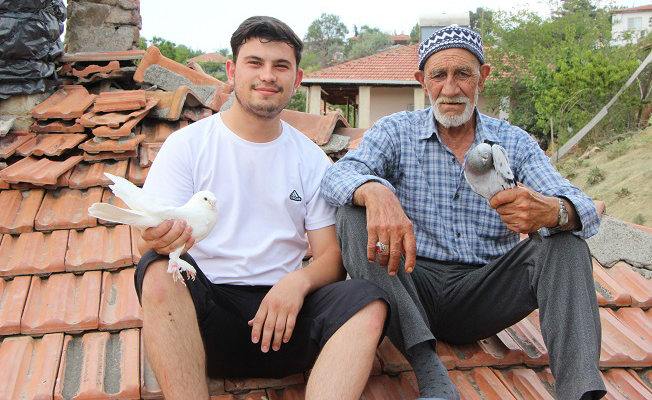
267, 197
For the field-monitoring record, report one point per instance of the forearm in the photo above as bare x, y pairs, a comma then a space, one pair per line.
323, 270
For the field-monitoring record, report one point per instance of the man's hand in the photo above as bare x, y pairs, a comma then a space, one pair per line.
388, 224
167, 237
277, 314
524, 210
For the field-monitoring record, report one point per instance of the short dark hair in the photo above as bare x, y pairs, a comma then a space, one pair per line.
267, 29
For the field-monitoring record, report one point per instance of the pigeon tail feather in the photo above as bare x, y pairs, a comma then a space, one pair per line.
119, 215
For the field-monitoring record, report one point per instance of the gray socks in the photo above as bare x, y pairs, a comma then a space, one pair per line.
432, 376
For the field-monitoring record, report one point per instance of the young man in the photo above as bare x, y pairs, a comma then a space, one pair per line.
469, 276
253, 311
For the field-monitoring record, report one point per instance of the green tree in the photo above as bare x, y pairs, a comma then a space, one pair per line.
414, 34
325, 37
298, 100
370, 41
560, 68
179, 53
482, 21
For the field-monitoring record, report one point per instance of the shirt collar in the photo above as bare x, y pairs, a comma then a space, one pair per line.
481, 131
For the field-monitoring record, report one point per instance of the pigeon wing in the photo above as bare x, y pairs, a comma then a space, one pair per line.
504, 175
136, 198
112, 213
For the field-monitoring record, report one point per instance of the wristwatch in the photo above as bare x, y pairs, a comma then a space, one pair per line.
562, 217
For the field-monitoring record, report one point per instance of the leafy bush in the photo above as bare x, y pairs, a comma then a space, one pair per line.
596, 175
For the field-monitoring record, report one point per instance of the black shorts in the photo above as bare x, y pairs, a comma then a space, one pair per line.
224, 310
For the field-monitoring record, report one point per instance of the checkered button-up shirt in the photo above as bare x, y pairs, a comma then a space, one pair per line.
451, 222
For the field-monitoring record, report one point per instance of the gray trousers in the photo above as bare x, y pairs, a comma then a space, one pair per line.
461, 303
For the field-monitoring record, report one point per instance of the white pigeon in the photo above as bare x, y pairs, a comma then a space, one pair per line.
487, 171
147, 211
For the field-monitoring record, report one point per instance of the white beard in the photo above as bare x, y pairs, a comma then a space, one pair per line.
448, 121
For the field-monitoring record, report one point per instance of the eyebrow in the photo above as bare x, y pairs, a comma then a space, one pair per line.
458, 69
277, 61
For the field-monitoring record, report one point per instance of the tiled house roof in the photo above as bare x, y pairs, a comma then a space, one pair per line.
393, 66
70, 320
647, 7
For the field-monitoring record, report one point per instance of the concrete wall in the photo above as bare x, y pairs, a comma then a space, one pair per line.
621, 23
106, 25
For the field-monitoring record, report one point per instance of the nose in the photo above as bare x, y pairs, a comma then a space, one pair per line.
451, 87
267, 74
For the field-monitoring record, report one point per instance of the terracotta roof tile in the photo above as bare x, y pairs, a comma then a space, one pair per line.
109, 197
170, 105
53, 144
153, 56
86, 175
29, 366
445, 354
524, 383
627, 383
391, 360
136, 174
396, 64
93, 118
639, 288
319, 128
10, 143
148, 152
70, 101
109, 155
119, 306
85, 70
37, 171
480, 383
19, 209
128, 128
609, 290
103, 56
127, 143
157, 131
295, 392
100, 365
13, 295
636, 319
135, 235
101, 247
53, 125
122, 100
497, 350
34, 253
621, 346
62, 181
67, 209
62, 303
527, 334
383, 387
240, 385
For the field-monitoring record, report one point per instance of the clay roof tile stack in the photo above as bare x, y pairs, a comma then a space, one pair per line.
69, 317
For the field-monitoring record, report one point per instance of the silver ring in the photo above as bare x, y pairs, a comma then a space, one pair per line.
381, 247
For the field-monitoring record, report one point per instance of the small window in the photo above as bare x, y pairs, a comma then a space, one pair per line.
634, 24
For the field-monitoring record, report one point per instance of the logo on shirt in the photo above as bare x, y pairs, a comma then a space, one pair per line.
295, 196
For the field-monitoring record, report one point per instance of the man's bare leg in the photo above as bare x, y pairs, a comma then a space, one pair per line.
171, 334
354, 346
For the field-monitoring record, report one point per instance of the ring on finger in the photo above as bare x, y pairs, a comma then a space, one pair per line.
381, 247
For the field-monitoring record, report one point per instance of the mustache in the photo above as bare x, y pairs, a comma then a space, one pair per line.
456, 99
267, 86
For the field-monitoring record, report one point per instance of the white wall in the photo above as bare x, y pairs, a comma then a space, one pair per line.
621, 23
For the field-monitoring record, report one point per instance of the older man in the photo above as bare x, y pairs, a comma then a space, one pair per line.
455, 267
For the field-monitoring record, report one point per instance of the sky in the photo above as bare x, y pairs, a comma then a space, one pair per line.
207, 24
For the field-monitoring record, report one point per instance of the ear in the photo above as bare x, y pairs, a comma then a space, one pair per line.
298, 79
418, 75
484, 72
230, 71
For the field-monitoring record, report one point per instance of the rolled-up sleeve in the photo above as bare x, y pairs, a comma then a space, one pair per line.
372, 161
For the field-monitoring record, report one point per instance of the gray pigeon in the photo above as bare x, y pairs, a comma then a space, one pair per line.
487, 171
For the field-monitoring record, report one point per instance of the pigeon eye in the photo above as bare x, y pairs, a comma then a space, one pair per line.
205, 199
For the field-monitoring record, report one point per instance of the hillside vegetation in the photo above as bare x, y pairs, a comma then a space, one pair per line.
618, 173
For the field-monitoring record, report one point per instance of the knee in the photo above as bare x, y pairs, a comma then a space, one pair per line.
567, 246
158, 285
351, 216
376, 313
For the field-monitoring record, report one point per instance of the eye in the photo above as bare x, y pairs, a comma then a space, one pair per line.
205, 199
